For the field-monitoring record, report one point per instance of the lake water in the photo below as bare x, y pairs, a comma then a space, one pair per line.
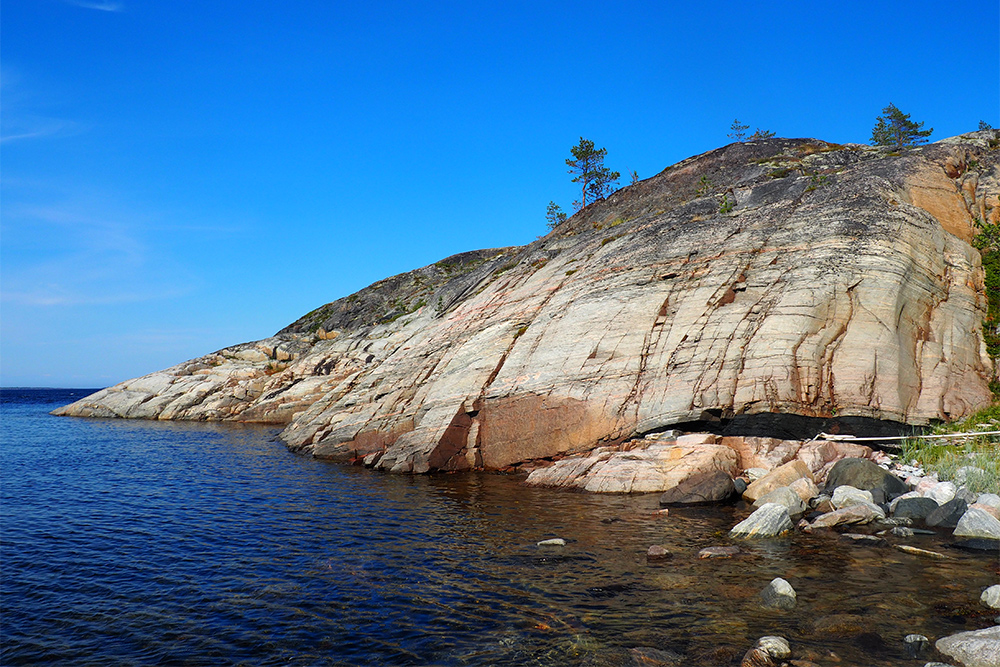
142, 543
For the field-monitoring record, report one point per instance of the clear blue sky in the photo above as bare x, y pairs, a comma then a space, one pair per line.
181, 176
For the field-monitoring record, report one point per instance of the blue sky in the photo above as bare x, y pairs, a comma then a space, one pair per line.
181, 176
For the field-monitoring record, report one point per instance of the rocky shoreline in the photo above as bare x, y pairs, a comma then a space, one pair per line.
847, 491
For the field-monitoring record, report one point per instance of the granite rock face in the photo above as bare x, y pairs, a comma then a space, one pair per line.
841, 285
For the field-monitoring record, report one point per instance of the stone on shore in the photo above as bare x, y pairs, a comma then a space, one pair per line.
783, 475
863, 474
778, 594
783, 496
845, 496
977, 648
947, 515
771, 520
860, 513
708, 487
978, 523
916, 507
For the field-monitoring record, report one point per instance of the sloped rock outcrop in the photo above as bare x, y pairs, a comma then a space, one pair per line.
775, 277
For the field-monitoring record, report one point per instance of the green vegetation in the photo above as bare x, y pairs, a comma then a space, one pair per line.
761, 134
983, 125
894, 128
704, 185
738, 131
727, 204
975, 458
588, 165
988, 243
554, 215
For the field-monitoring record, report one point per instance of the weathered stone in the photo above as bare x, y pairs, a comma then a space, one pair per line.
739, 486
844, 496
822, 504
758, 657
770, 520
977, 648
991, 499
718, 552
978, 523
768, 652
942, 492
854, 514
926, 553
947, 515
658, 552
778, 594
914, 507
989, 509
693, 439
710, 487
863, 474
860, 299
783, 496
805, 488
991, 597
783, 475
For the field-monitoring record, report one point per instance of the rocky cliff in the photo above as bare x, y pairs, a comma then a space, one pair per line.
784, 277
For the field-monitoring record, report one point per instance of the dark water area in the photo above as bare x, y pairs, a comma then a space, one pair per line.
146, 543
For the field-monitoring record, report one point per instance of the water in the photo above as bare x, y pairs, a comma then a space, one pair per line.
129, 542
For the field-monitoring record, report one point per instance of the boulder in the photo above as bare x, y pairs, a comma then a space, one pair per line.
947, 515
977, 648
978, 523
991, 499
778, 594
863, 474
989, 509
916, 507
844, 496
991, 597
783, 496
942, 492
805, 488
707, 487
770, 520
783, 475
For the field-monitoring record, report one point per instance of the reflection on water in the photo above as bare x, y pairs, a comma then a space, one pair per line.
141, 543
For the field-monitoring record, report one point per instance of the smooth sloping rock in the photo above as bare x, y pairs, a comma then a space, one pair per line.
845, 496
947, 515
859, 513
709, 487
770, 520
783, 496
977, 648
978, 523
778, 594
859, 299
783, 475
863, 474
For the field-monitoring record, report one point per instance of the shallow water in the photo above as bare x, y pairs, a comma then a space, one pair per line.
129, 542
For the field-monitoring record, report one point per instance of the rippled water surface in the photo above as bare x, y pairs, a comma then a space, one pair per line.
129, 542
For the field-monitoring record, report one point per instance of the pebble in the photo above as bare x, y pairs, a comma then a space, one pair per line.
658, 552
991, 597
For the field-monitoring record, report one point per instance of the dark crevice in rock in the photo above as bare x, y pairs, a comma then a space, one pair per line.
794, 427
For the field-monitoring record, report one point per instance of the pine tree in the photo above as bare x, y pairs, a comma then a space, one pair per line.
554, 214
894, 128
738, 130
588, 165
761, 134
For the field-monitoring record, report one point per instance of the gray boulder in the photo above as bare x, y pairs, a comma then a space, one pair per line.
863, 474
914, 508
710, 487
978, 648
770, 520
778, 594
948, 515
978, 523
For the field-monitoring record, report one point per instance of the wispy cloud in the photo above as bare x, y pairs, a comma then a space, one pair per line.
99, 6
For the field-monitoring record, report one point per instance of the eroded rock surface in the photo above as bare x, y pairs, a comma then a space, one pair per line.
841, 285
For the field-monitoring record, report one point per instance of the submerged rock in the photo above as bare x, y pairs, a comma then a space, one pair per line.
718, 552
